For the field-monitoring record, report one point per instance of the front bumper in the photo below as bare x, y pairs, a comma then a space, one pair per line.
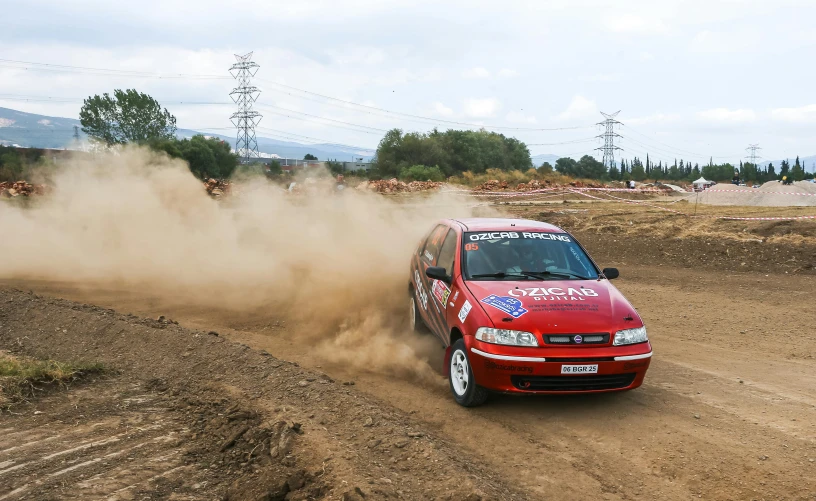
538, 370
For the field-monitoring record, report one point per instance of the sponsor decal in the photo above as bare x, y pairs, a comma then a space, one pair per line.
583, 307
497, 235
455, 295
423, 296
428, 256
440, 291
489, 364
463, 313
554, 293
509, 305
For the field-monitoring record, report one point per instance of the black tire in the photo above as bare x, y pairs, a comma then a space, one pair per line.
463, 386
415, 319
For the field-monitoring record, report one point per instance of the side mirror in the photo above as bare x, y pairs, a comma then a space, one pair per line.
610, 273
438, 273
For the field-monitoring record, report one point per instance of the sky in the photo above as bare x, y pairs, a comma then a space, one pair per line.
692, 79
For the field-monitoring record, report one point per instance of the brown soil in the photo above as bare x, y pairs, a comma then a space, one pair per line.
727, 411
192, 415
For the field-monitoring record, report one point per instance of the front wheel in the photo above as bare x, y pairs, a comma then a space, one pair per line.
462, 383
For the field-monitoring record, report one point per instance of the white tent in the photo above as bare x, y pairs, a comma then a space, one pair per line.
701, 184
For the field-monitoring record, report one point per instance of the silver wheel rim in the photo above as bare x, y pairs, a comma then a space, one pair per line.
459, 372
412, 314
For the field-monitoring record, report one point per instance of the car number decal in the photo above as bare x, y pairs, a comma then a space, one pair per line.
463, 313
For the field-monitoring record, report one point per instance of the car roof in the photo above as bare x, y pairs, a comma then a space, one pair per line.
506, 224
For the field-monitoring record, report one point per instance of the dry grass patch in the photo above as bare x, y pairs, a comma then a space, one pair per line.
21, 377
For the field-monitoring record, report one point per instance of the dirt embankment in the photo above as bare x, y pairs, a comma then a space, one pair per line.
191, 415
621, 233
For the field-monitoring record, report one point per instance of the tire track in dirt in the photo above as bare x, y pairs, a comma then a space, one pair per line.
692, 431
204, 417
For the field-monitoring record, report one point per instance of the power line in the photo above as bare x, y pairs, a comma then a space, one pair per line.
675, 150
398, 114
245, 119
30, 65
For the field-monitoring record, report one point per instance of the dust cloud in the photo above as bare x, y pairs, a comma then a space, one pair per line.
335, 266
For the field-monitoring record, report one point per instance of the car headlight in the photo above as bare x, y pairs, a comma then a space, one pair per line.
502, 336
630, 336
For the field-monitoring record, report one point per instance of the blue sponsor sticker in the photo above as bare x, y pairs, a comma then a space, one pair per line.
509, 305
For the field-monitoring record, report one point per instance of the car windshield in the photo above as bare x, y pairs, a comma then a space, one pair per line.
525, 256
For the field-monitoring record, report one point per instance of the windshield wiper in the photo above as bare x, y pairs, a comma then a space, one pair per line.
544, 275
500, 274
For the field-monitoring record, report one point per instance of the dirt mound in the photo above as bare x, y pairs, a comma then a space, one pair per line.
770, 194
21, 188
397, 186
216, 188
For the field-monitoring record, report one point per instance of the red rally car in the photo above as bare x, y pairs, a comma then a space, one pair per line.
523, 309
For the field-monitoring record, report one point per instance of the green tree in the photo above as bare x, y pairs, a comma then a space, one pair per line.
309, 156
638, 172
206, 157
566, 166
545, 168
797, 172
422, 173
128, 116
274, 168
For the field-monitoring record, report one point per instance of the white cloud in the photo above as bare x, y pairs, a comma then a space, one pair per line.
630, 23
482, 108
520, 117
646, 56
580, 107
657, 118
727, 116
507, 73
368, 56
477, 72
441, 109
804, 114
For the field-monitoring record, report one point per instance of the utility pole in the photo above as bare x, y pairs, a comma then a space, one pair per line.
609, 136
245, 119
76, 133
752, 156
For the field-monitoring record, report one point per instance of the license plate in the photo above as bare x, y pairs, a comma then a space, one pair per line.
579, 369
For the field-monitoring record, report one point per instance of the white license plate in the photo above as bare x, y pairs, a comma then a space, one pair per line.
579, 369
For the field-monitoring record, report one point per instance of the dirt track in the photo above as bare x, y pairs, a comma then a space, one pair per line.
728, 410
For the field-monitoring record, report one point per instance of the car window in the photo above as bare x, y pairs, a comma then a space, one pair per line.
447, 253
506, 254
433, 244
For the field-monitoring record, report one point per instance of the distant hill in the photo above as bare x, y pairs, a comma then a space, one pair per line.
544, 157
40, 131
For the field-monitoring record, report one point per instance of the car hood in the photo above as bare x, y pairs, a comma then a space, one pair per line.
555, 306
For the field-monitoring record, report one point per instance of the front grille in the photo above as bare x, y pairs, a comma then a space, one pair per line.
572, 383
593, 338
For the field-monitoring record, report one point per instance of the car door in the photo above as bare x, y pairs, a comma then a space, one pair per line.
430, 308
